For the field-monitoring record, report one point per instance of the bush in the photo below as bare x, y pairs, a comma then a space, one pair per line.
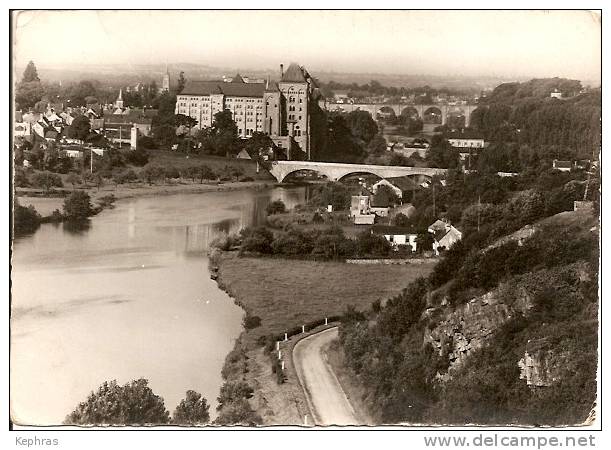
25, 220
77, 206
238, 413
131, 404
317, 218
21, 177
257, 240
251, 322
146, 142
276, 207
246, 179
138, 157
232, 391
193, 410
401, 220
46, 180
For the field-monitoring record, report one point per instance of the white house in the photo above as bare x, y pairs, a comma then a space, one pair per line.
466, 143
397, 236
444, 234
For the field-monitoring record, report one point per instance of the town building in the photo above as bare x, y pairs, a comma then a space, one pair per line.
397, 236
279, 109
165, 82
445, 235
360, 210
467, 142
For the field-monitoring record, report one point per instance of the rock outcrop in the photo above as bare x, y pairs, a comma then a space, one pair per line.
469, 326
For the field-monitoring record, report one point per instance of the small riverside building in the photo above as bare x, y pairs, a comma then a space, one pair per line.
397, 236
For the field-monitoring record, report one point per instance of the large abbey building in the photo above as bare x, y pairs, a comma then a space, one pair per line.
280, 109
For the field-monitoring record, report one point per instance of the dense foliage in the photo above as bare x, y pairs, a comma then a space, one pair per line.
524, 114
133, 403
192, 410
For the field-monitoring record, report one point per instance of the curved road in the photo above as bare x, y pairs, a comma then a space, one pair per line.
325, 396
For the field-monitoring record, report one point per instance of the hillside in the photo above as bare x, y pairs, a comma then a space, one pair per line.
510, 338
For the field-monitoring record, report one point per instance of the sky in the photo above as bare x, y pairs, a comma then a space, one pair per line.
446, 43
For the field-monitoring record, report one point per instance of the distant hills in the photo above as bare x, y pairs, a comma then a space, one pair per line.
116, 74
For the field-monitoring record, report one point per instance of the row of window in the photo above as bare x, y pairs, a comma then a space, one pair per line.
292, 117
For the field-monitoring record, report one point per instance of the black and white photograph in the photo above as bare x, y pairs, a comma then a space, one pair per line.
304, 219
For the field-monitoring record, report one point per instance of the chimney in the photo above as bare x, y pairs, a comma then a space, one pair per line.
281, 71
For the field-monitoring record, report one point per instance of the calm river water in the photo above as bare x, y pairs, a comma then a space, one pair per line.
129, 297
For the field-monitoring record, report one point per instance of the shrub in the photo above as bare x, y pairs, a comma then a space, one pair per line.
138, 157
133, 403
251, 322
232, 391
46, 180
238, 413
258, 240
276, 207
317, 218
25, 220
192, 410
77, 206
245, 179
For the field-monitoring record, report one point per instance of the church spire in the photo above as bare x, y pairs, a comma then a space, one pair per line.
119, 102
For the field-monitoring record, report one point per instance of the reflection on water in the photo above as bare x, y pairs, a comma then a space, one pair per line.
127, 296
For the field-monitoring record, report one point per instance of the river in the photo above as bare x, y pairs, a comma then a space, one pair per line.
128, 297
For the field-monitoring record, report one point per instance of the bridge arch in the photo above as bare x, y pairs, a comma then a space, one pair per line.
387, 112
296, 172
432, 115
359, 172
410, 112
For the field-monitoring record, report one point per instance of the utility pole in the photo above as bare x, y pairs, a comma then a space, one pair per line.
91, 161
434, 212
479, 202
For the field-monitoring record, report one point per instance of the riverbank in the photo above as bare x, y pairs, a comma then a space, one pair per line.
46, 204
285, 294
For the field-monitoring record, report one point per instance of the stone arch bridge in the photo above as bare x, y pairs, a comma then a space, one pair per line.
418, 111
336, 171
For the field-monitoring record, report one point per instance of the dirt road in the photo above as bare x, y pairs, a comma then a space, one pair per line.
325, 396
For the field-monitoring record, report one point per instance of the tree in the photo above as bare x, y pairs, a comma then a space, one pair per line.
181, 82
362, 126
152, 172
192, 410
377, 145
258, 240
164, 134
78, 93
77, 206
79, 128
133, 403
73, 179
30, 73
180, 120
25, 220
224, 134
401, 220
29, 90
46, 180
276, 207
238, 412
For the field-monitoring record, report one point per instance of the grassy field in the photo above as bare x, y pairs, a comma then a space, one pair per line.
287, 293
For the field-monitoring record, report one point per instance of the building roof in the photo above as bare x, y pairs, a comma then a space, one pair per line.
235, 88
201, 87
238, 78
438, 225
391, 229
294, 74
